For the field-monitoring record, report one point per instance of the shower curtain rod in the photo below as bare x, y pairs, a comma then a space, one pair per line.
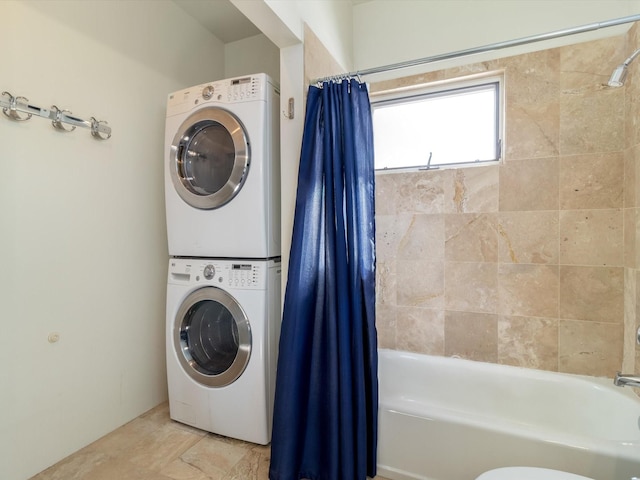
485, 48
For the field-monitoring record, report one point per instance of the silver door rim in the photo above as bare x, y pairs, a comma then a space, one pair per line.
244, 337
194, 123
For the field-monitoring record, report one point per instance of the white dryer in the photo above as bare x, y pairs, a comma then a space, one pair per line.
223, 325
222, 169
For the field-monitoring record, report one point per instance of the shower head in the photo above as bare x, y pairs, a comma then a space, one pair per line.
620, 73
618, 76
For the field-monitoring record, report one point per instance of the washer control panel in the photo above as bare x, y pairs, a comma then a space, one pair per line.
223, 273
242, 274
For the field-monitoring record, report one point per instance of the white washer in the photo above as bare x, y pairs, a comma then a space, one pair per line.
222, 169
223, 324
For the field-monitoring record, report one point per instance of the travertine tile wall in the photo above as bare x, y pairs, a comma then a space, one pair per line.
318, 62
631, 206
533, 262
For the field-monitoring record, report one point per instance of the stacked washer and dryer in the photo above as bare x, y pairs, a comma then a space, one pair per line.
222, 192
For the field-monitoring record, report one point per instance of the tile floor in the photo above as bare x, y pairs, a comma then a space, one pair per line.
153, 447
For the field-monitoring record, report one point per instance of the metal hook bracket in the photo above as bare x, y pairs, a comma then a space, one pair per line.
12, 110
57, 121
99, 129
290, 114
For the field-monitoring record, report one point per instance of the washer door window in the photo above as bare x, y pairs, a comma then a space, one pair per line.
209, 158
212, 337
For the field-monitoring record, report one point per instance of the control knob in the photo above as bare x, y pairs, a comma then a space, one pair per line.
207, 92
209, 272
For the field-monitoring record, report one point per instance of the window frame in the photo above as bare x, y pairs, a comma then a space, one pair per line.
443, 88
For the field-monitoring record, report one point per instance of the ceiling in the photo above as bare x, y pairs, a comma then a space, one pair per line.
223, 19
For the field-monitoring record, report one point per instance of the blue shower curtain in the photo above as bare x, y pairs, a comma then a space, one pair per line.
326, 405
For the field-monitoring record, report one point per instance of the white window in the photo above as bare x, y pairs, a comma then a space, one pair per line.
453, 123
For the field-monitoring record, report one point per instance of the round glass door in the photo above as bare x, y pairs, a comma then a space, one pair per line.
212, 337
209, 158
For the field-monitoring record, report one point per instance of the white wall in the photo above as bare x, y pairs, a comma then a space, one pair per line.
283, 21
292, 77
255, 54
332, 22
387, 32
82, 228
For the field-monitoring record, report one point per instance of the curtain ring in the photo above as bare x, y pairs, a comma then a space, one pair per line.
12, 110
57, 122
95, 129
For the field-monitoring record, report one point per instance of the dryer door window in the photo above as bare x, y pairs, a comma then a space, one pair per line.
212, 337
209, 158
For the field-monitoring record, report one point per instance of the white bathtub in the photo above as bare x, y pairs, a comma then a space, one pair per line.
452, 419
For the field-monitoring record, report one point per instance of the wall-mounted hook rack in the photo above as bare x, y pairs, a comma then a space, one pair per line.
13, 106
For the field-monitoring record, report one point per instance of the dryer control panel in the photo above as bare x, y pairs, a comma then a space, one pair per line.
233, 90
